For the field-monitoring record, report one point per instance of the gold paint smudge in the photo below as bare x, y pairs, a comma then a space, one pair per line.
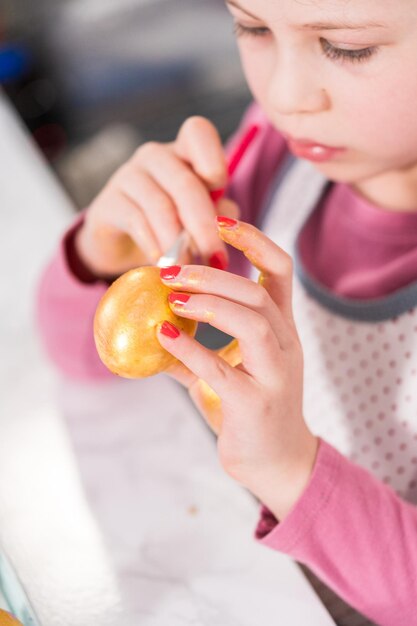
192, 510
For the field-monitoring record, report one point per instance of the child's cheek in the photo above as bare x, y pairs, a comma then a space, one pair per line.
379, 115
258, 67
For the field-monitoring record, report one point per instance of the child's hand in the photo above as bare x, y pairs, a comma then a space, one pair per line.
264, 442
160, 190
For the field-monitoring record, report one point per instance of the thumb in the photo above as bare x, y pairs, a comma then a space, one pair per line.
204, 398
179, 372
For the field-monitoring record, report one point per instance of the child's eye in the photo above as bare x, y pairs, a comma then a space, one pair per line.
330, 51
255, 31
351, 55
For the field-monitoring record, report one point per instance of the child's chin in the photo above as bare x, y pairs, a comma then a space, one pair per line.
344, 172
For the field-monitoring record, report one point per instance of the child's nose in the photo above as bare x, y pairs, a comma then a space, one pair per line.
296, 88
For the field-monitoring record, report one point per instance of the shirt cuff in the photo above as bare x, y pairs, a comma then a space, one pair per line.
73, 261
285, 535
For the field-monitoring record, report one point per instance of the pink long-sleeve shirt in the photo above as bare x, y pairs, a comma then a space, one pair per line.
346, 521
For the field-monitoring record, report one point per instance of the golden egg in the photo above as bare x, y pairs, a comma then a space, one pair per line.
203, 395
8, 620
126, 320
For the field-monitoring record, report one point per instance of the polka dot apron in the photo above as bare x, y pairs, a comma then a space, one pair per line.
360, 359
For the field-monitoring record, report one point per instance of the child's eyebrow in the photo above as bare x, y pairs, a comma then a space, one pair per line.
319, 25
340, 26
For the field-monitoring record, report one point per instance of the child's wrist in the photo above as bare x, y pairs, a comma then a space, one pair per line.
86, 267
76, 262
281, 489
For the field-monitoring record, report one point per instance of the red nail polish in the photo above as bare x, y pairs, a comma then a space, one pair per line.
169, 273
226, 222
169, 330
178, 298
216, 194
218, 260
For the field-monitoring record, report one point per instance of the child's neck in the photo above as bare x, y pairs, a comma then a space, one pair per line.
393, 191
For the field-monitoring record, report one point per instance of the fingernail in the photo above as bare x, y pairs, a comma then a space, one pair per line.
169, 330
216, 194
169, 273
178, 298
218, 260
226, 222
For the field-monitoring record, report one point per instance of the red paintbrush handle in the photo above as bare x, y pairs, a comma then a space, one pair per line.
235, 158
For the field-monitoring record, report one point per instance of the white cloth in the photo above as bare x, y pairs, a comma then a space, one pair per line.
47, 531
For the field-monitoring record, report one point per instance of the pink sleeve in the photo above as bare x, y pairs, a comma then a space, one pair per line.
355, 534
66, 302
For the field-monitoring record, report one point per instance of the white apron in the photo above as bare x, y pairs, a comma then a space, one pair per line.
360, 359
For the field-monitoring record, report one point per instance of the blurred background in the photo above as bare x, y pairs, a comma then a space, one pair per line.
90, 80
93, 79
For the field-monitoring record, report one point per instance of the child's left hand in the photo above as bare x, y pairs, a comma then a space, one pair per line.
264, 442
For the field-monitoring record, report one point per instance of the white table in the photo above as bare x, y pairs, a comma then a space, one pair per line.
113, 506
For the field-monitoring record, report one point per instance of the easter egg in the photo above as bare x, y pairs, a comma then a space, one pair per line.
126, 320
8, 620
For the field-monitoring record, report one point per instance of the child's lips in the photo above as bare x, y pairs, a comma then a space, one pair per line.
312, 150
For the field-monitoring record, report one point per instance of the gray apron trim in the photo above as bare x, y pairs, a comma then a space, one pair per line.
374, 310
366, 310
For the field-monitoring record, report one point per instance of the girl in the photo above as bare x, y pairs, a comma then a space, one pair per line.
320, 419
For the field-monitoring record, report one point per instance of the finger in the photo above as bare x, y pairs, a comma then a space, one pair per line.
258, 343
200, 279
157, 206
199, 144
195, 208
204, 363
129, 219
227, 207
273, 262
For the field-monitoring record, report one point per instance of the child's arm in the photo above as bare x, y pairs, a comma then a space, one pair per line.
67, 298
264, 442
134, 219
78, 275
356, 535
335, 517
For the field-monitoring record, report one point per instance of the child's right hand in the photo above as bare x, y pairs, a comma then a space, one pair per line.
161, 190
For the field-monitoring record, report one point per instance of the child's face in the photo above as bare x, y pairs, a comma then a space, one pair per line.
367, 105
